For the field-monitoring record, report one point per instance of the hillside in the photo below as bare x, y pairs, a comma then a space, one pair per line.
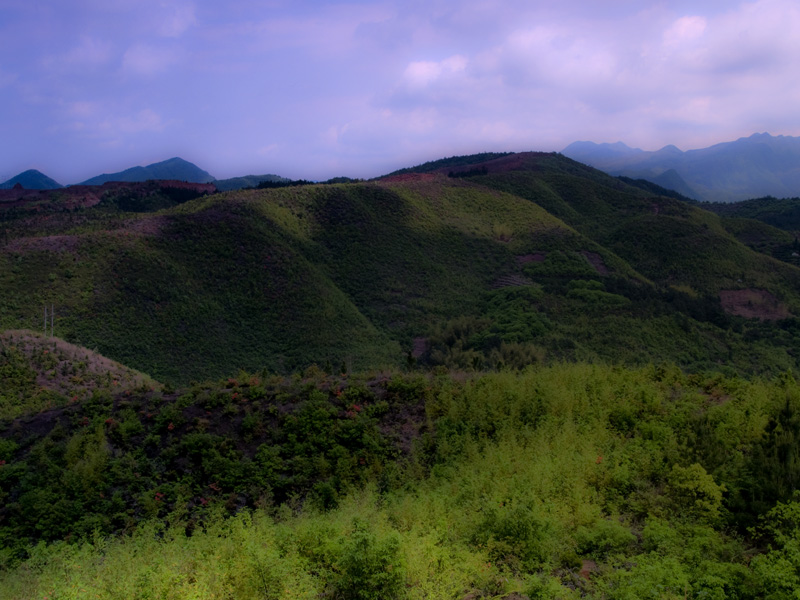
749, 167
247, 181
571, 481
173, 168
31, 180
499, 376
526, 257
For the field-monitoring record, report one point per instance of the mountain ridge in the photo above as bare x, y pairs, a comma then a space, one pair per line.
749, 167
174, 168
31, 180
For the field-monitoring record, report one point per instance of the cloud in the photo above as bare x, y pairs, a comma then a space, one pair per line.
88, 53
146, 59
176, 18
420, 74
685, 29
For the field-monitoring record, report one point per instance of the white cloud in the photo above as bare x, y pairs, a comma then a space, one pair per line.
685, 29
423, 73
89, 52
176, 18
145, 59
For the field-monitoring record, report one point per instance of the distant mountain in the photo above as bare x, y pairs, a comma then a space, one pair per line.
31, 180
755, 166
247, 181
174, 168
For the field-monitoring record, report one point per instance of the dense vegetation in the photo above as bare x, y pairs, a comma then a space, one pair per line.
537, 257
527, 380
559, 482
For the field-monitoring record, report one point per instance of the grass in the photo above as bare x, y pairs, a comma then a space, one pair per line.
561, 482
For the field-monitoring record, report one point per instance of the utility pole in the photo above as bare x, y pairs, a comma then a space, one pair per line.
52, 320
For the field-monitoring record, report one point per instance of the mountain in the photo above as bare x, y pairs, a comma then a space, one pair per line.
247, 181
174, 168
755, 166
31, 180
475, 263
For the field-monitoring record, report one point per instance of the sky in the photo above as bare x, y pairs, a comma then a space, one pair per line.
317, 89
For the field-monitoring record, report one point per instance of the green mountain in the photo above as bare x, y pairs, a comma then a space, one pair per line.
531, 380
31, 180
173, 169
521, 258
751, 167
247, 181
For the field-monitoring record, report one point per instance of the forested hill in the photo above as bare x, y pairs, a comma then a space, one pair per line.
500, 376
525, 257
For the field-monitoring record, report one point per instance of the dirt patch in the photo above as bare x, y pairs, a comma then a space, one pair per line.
596, 261
145, 226
45, 243
753, 304
524, 259
64, 367
420, 347
511, 281
409, 177
587, 568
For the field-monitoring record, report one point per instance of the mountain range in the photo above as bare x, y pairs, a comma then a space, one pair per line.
173, 169
470, 262
751, 167
491, 376
31, 180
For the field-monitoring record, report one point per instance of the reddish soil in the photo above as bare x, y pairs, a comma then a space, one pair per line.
523, 259
597, 261
409, 177
521, 161
512, 280
47, 243
96, 370
145, 226
587, 567
77, 196
420, 347
753, 304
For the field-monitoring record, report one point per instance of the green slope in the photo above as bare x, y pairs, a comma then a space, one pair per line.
523, 258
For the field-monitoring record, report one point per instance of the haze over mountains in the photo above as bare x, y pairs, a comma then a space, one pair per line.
174, 169
756, 166
581, 344
751, 167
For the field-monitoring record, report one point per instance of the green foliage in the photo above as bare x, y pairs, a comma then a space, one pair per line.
693, 492
369, 568
778, 570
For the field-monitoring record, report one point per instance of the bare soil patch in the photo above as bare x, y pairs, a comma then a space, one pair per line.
64, 367
753, 304
46, 243
409, 177
524, 259
596, 261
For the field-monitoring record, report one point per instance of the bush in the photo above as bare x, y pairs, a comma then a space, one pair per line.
368, 568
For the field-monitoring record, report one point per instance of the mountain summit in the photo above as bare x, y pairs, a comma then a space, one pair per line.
31, 180
174, 168
754, 166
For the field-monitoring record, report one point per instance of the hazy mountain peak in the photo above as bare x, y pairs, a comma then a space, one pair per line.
31, 180
173, 168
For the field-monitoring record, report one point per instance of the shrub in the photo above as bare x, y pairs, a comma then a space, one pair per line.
369, 568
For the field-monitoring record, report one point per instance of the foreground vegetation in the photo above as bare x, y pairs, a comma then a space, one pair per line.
560, 482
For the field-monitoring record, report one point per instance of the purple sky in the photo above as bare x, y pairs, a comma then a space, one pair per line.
320, 89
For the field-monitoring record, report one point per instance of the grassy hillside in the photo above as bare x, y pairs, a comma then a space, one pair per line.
521, 258
561, 482
499, 376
